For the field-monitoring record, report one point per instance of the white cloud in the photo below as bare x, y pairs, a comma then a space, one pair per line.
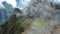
1, 3
58, 0
2, 0
12, 2
24, 3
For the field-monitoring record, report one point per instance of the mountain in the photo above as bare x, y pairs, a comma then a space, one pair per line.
5, 12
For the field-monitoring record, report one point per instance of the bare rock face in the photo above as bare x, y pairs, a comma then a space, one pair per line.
40, 8
12, 23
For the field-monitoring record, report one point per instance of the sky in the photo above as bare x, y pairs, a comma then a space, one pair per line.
22, 3
12, 2
55, 1
1, 3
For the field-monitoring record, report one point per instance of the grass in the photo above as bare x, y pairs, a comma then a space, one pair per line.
41, 24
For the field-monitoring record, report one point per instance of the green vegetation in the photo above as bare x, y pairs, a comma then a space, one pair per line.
20, 26
41, 24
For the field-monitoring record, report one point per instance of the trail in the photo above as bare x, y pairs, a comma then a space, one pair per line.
45, 28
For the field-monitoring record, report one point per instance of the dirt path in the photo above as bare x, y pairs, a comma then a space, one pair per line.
45, 28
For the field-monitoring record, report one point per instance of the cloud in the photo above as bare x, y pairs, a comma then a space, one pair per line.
12, 2
1, 5
2, 0
21, 3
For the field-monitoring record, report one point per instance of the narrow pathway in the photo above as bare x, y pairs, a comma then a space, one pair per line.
41, 27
